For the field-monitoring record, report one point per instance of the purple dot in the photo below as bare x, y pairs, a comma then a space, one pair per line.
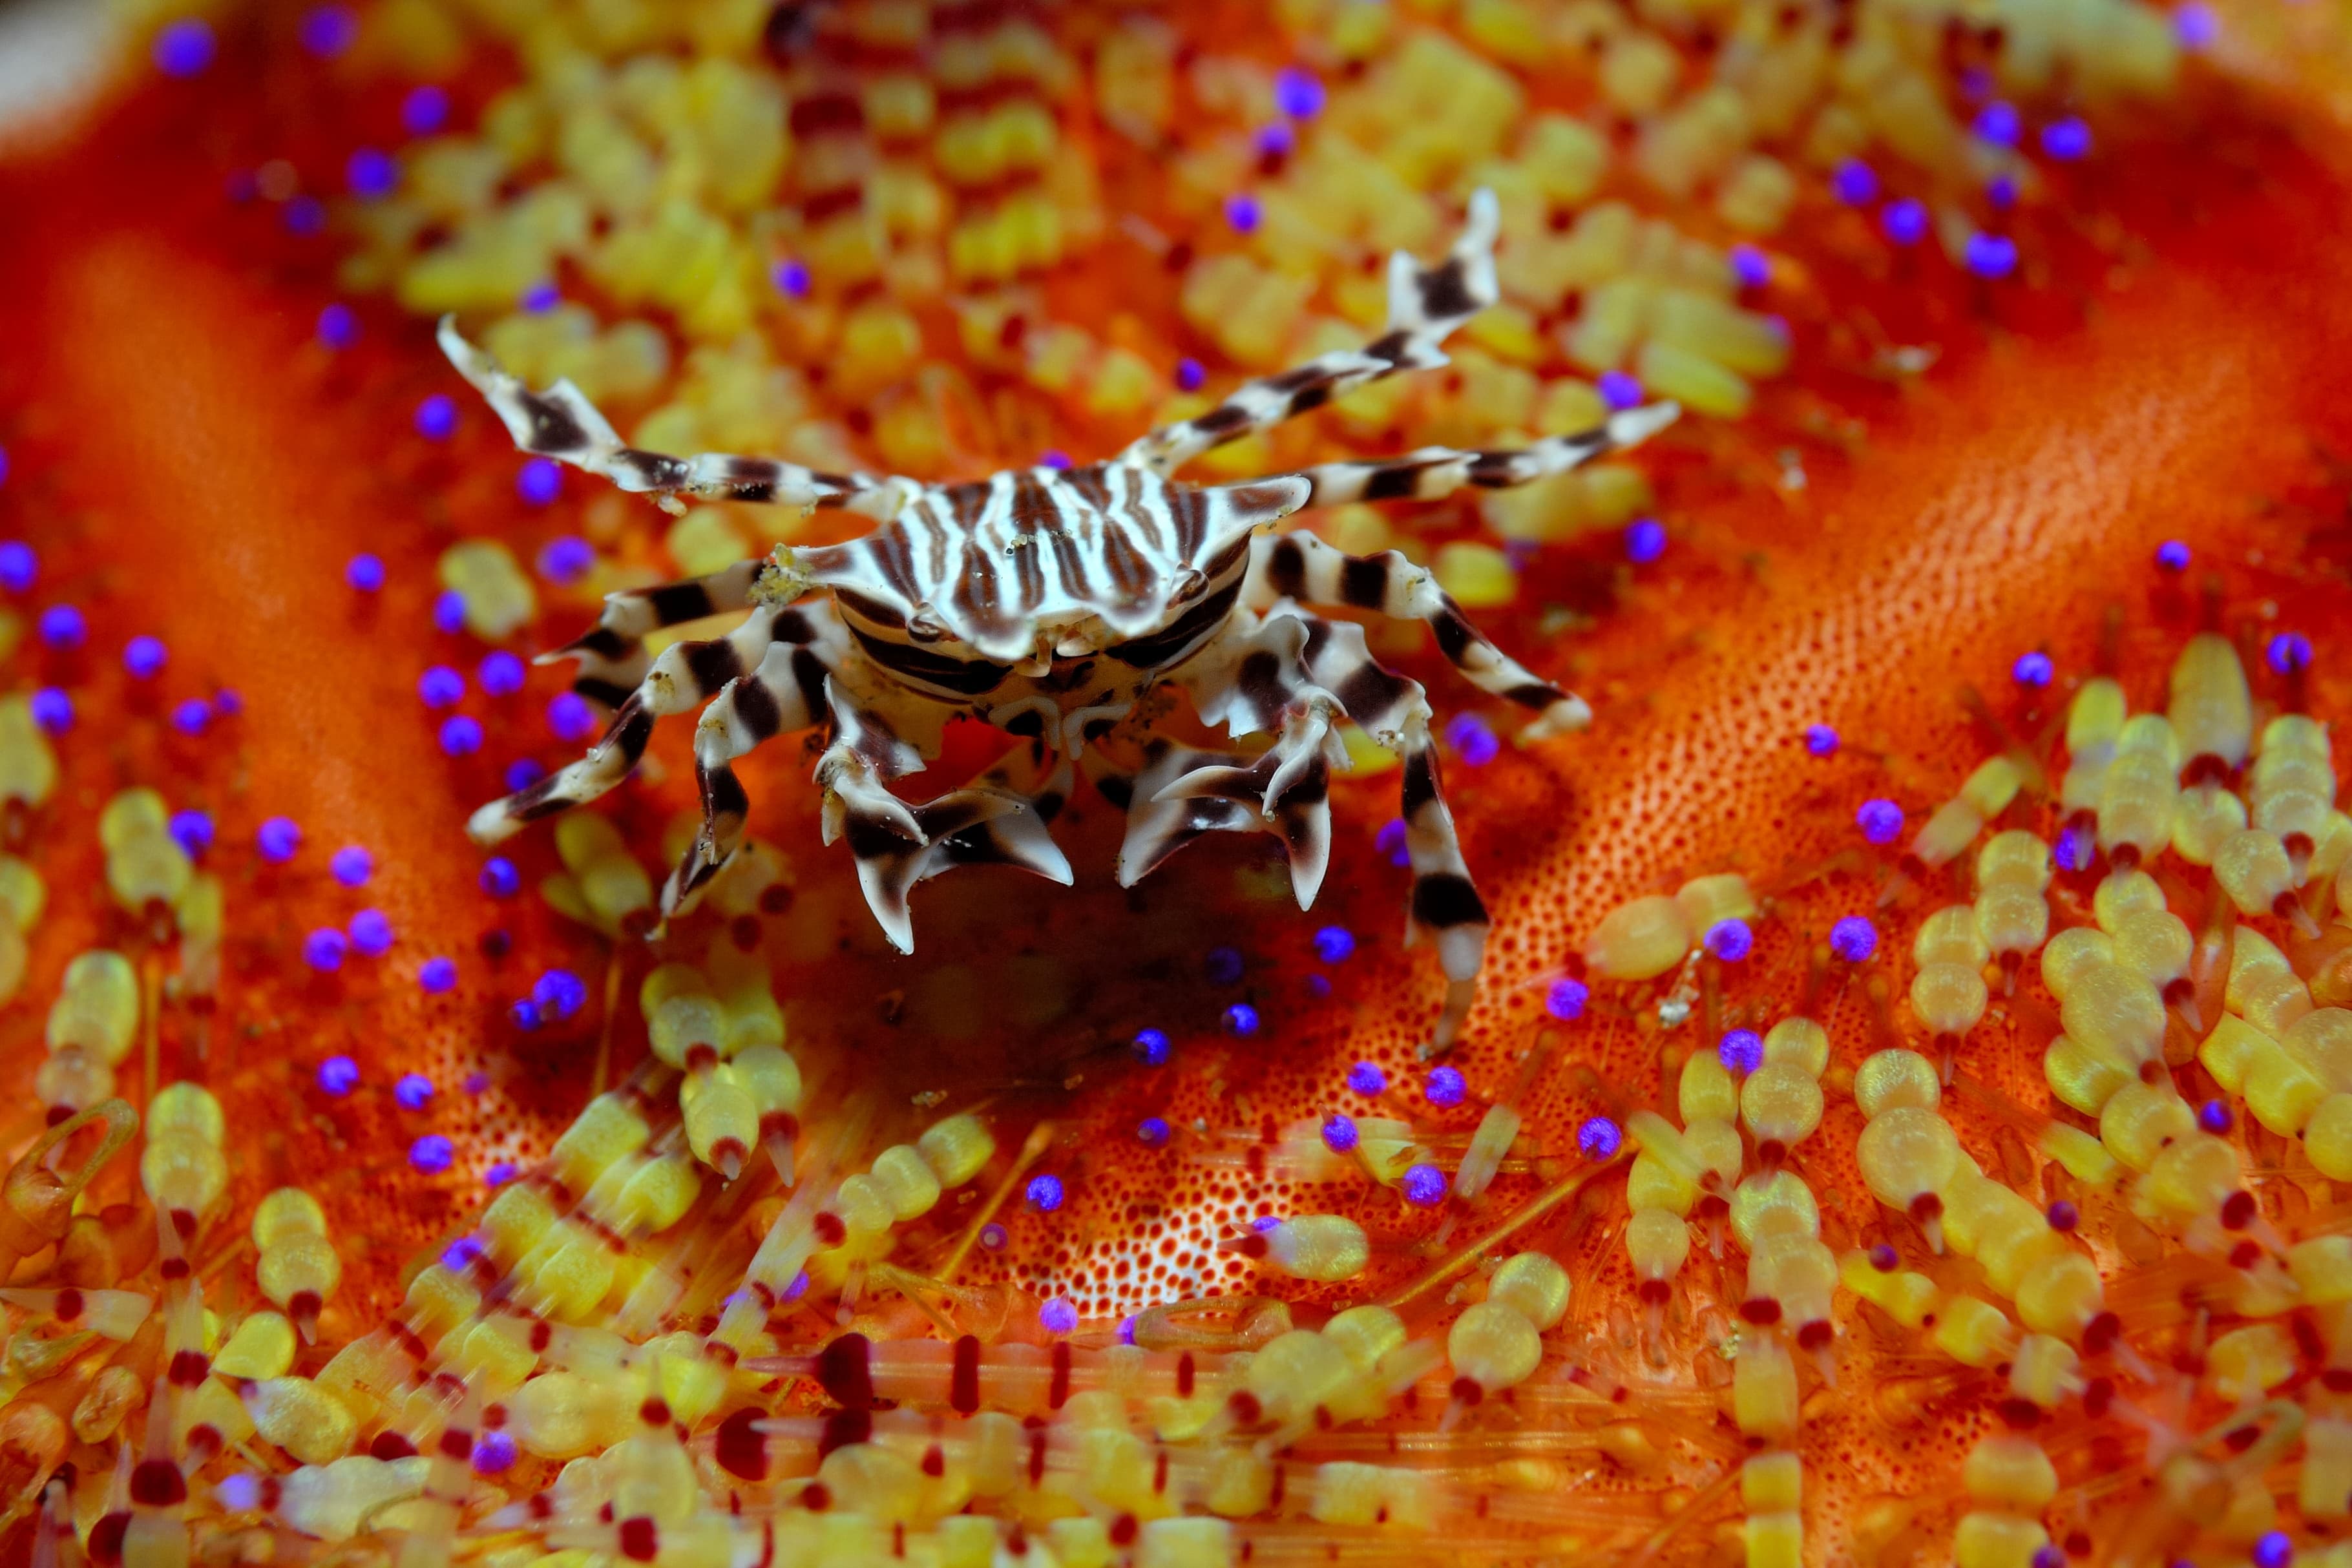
62, 627
1620, 390
437, 975
560, 993
1600, 1138
436, 418
541, 297
191, 716
1473, 739
499, 1173
1389, 842
1853, 938
1240, 1019
499, 879
1991, 256
371, 172
329, 30
2214, 1117
1057, 1316
2172, 555
1565, 1000
1446, 1087
193, 831
524, 1015
226, 703
278, 840
414, 1092
338, 328
1367, 1079
1339, 1133
1820, 740
1054, 457
1998, 123
2073, 848
424, 110
1729, 940
440, 687
1276, 141
1904, 222
143, 656
1190, 376
1742, 1051
1224, 965
2274, 1550
324, 948
2288, 652
2031, 670
370, 934
791, 279
799, 1287
567, 560
1333, 944
500, 674
2063, 1216
1044, 1193
571, 717
53, 711
1855, 184
2195, 27
2047, 1556
304, 215
1884, 1258
1425, 1187
2066, 139
432, 1153
993, 1236
239, 1493
1880, 821
1153, 1132
19, 567
1750, 267
539, 481
1645, 540
364, 573
522, 773
461, 735
352, 866
1241, 210
450, 612
1296, 93
494, 1451
185, 48
339, 1075
2001, 193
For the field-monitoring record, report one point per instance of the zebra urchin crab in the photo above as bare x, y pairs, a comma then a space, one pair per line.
1048, 602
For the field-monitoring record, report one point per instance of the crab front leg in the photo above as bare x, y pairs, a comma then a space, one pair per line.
561, 424
686, 674
1426, 305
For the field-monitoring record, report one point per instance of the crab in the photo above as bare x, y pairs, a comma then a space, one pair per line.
1051, 603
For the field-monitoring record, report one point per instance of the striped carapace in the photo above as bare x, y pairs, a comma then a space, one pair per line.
1047, 601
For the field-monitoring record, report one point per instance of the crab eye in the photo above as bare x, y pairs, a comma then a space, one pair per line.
1187, 584
924, 628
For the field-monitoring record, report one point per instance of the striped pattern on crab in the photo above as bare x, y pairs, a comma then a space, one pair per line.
1049, 602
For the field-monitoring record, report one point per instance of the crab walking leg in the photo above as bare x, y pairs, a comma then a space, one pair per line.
612, 653
1426, 305
790, 691
1303, 568
1445, 905
561, 424
686, 674
1434, 472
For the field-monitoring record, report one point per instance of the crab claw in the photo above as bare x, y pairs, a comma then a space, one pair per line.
1182, 794
973, 826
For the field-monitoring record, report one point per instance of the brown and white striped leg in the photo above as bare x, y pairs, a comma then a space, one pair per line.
1426, 305
1446, 907
1302, 569
561, 424
791, 690
999, 819
686, 675
1287, 789
1434, 472
612, 653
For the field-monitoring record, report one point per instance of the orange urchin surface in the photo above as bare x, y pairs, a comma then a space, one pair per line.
1076, 1132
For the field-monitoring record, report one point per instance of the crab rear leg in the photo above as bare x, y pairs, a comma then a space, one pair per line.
1426, 305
